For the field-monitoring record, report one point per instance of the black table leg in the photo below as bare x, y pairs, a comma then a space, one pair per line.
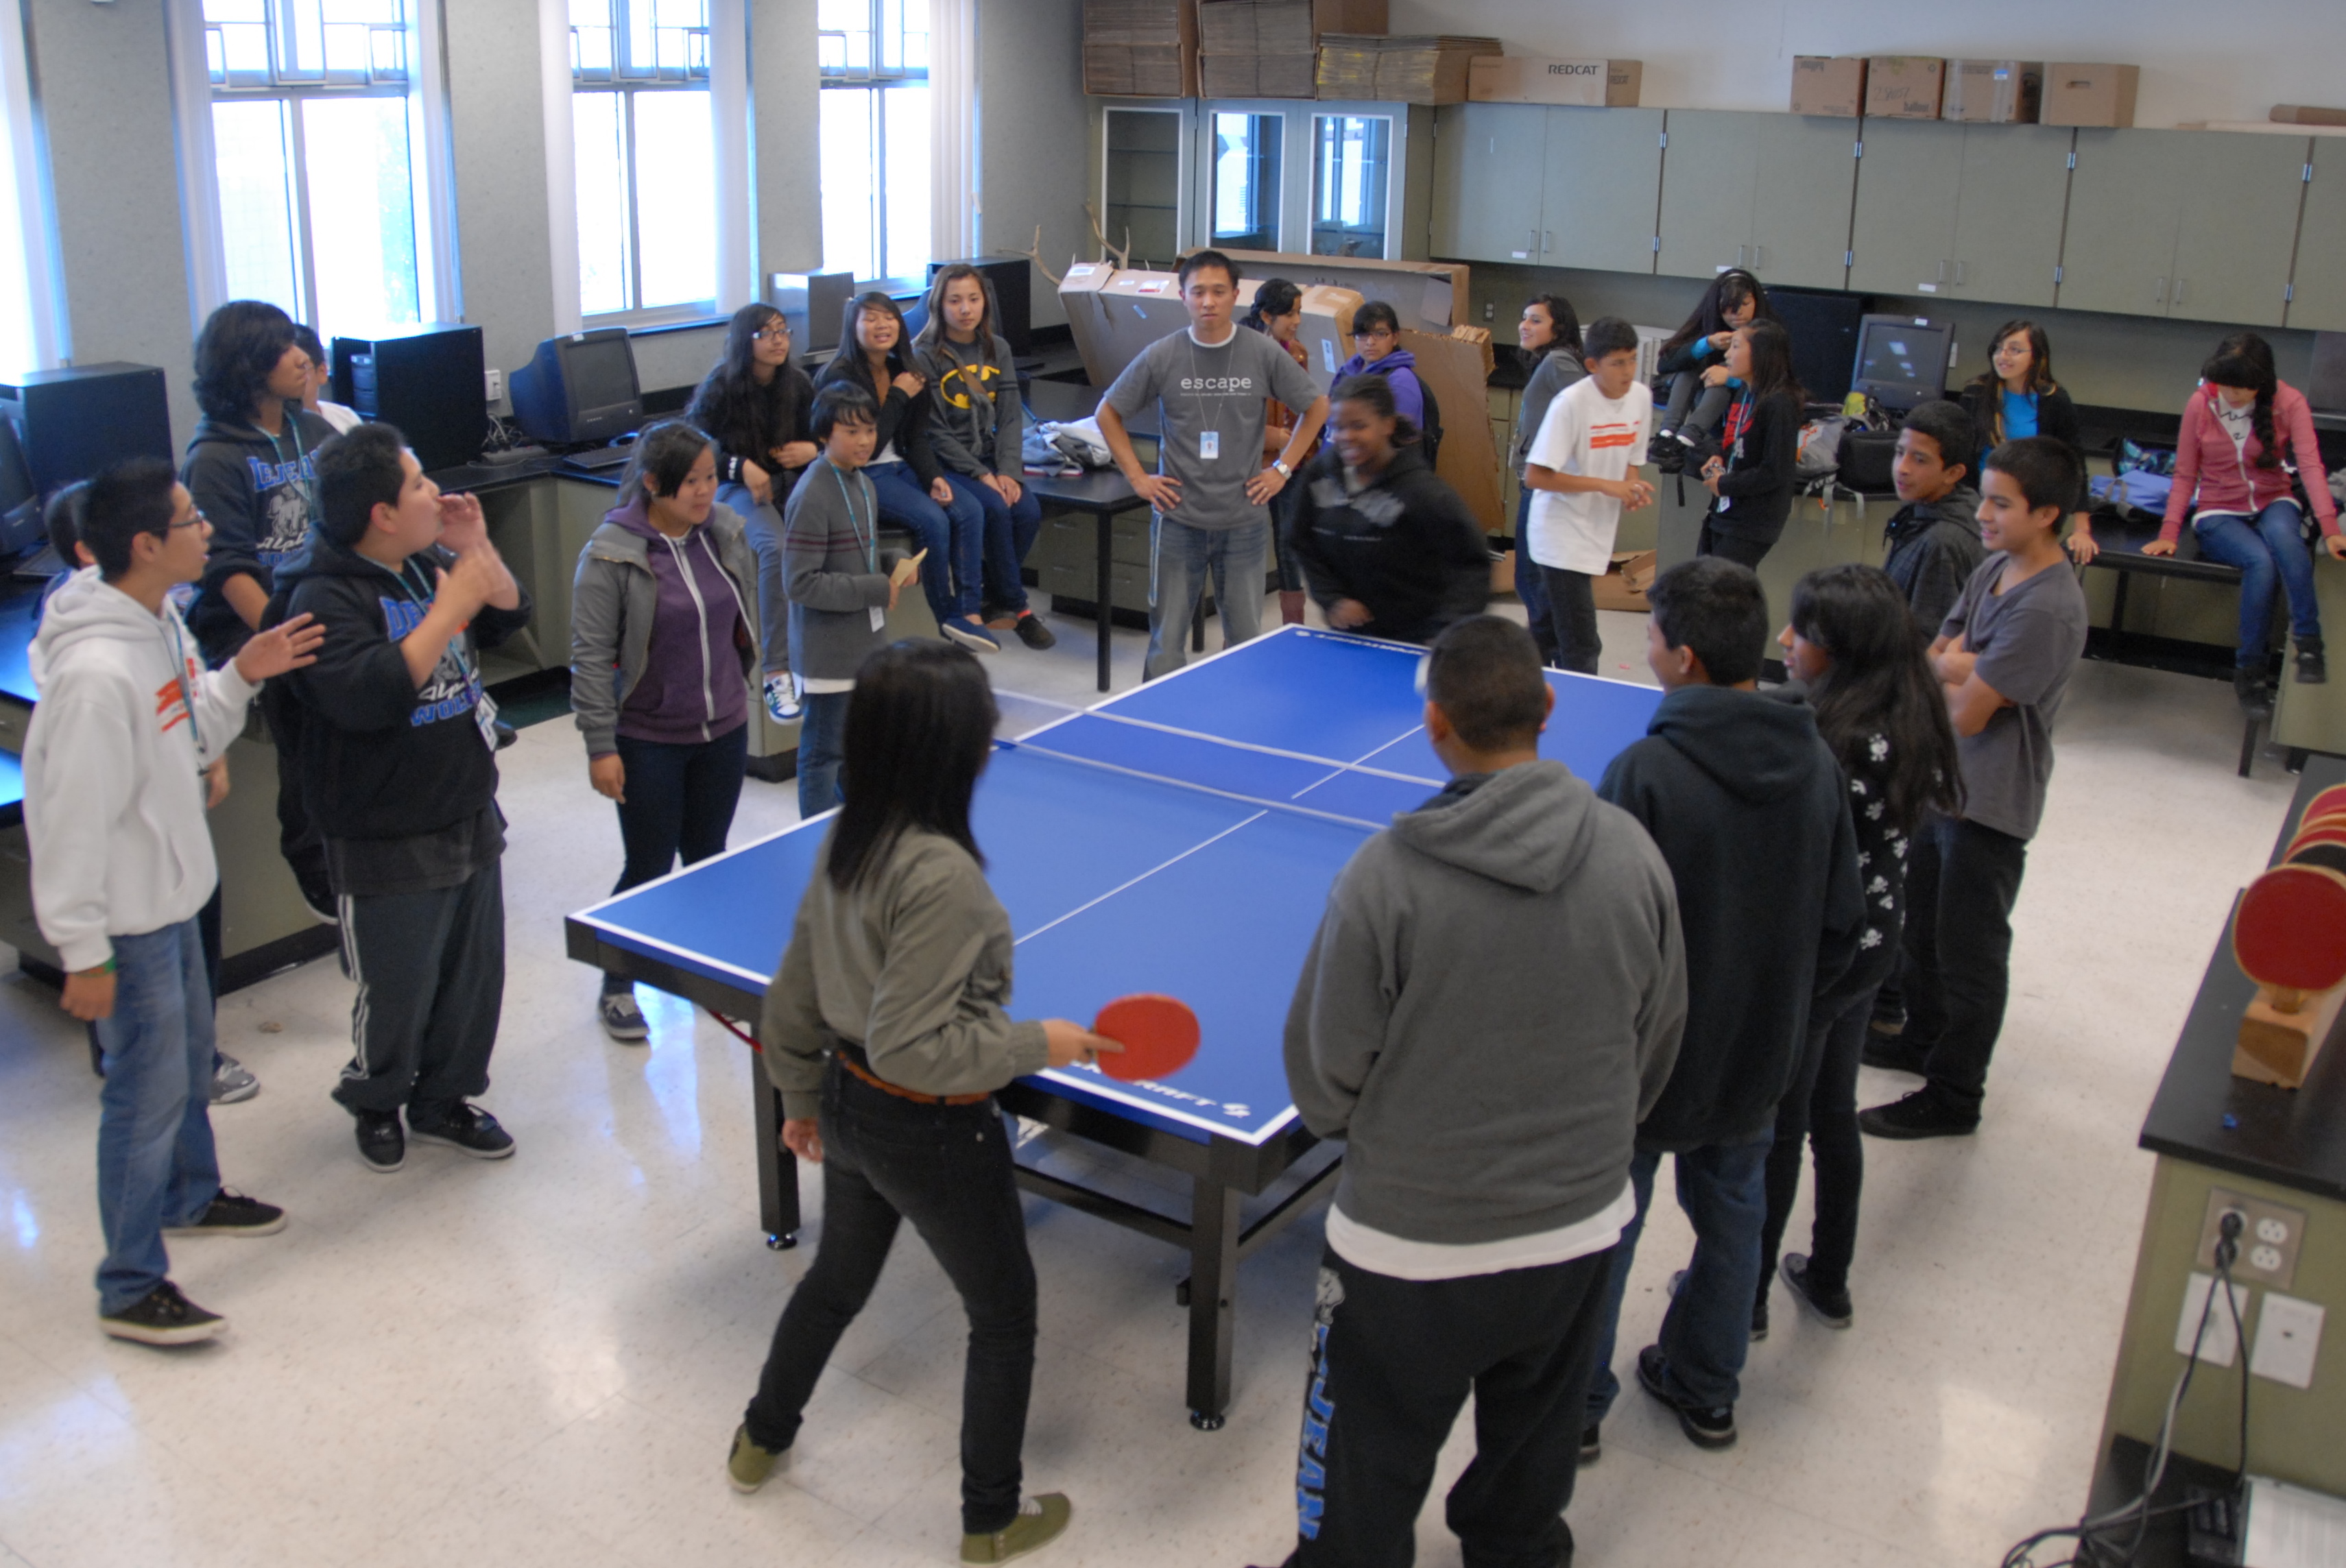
1213, 1284
2117, 618
778, 1168
1105, 587
1197, 626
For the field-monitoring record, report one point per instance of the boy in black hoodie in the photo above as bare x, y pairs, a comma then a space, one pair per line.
400, 771
1934, 538
1747, 804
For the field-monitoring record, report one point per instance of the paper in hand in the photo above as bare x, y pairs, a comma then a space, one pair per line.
906, 570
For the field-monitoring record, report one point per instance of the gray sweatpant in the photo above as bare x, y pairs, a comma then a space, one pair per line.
430, 974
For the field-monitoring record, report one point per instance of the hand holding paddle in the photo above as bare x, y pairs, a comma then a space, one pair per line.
1070, 1043
1156, 1036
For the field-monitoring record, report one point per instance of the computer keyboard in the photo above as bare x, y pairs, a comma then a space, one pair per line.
601, 458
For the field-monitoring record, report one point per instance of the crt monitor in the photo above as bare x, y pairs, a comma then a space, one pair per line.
1901, 360
579, 389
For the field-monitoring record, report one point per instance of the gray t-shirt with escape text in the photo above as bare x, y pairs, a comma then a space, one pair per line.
1210, 403
2028, 639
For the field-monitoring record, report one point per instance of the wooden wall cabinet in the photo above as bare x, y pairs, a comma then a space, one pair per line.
1769, 192
1964, 211
1548, 187
2197, 225
2318, 297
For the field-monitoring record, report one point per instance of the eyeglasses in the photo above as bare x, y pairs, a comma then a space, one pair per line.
779, 332
198, 521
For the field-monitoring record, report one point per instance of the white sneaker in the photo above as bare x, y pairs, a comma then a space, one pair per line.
783, 703
624, 1021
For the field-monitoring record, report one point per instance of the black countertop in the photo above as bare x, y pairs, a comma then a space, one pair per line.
2290, 1137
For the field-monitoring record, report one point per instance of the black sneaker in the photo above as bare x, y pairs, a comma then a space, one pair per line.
1833, 1310
1705, 1426
1758, 1312
1924, 1113
1886, 1027
1592, 1442
382, 1145
2312, 664
1894, 1053
1035, 635
163, 1316
462, 1126
233, 1213
2248, 689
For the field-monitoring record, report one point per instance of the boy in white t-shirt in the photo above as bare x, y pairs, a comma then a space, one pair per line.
1583, 471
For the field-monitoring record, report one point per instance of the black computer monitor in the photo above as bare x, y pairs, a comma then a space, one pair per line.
425, 379
1901, 360
580, 388
21, 526
1823, 328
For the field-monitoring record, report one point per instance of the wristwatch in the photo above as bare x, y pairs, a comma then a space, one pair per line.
1281, 464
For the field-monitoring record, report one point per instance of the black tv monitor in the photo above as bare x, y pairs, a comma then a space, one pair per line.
579, 389
73, 421
1901, 360
425, 379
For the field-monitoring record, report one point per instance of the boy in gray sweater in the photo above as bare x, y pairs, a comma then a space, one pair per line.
841, 583
1491, 1005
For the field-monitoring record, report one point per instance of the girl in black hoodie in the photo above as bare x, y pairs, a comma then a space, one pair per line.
1387, 547
1751, 483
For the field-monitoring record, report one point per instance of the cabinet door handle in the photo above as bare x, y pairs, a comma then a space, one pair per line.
1959, 274
1741, 251
2180, 284
1548, 240
1759, 257
1942, 273
2158, 296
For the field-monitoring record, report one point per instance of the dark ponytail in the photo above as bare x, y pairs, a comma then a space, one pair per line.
2242, 367
1276, 297
1376, 391
1880, 684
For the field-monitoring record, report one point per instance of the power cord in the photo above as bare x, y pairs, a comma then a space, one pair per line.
2091, 1551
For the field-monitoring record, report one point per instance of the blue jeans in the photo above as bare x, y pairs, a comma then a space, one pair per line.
680, 803
156, 1165
763, 528
1530, 587
823, 735
1009, 533
2270, 543
953, 535
1179, 559
1706, 1330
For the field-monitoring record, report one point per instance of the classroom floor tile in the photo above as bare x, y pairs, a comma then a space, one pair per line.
543, 1360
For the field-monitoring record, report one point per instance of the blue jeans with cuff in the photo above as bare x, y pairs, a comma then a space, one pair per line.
156, 1162
822, 743
762, 525
953, 535
2268, 545
1010, 530
1180, 558
1707, 1330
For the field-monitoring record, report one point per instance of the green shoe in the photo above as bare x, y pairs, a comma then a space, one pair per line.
1041, 1521
748, 1466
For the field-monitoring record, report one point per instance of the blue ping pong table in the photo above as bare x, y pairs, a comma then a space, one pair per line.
1180, 838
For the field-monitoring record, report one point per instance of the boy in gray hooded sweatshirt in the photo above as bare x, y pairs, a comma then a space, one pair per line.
1491, 1005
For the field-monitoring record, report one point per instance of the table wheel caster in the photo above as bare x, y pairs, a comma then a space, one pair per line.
783, 1242
1206, 1424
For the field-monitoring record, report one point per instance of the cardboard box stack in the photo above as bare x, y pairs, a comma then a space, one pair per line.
1269, 48
2086, 94
1399, 69
1904, 86
1993, 92
1521, 80
1828, 84
1140, 48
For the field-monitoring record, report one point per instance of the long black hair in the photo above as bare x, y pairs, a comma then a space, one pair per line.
1563, 319
851, 343
1988, 384
1273, 297
2238, 363
1727, 291
920, 726
1771, 362
236, 353
1880, 684
1376, 391
747, 419
663, 460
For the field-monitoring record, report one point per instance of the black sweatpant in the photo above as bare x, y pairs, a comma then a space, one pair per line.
1960, 884
1392, 1363
1820, 1110
947, 1169
298, 837
1741, 549
1572, 619
430, 974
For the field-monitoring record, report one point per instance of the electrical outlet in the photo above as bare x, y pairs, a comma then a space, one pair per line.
493, 383
2289, 1333
1490, 311
2221, 1341
2271, 1237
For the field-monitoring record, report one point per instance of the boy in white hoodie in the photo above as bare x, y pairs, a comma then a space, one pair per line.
122, 862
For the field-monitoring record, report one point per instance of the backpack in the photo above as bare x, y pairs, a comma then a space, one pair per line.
1430, 431
1819, 457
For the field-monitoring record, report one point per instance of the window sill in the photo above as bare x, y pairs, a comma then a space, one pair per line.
656, 324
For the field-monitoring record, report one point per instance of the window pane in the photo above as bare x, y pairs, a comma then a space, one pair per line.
602, 194
1246, 180
905, 111
1350, 177
590, 36
362, 211
676, 198
846, 43
17, 347
255, 205
843, 139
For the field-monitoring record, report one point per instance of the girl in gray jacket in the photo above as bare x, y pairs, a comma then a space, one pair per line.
663, 647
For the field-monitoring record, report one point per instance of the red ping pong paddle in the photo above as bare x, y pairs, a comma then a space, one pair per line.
2329, 833
2329, 852
2326, 802
2312, 820
2289, 936
1158, 1033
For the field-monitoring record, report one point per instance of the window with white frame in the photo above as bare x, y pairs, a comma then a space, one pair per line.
645, 150
316, 142
27, 337
873, 136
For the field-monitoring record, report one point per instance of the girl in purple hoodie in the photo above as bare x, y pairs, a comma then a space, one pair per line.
1376, 335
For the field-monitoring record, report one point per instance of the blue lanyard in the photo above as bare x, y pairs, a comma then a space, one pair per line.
186, 698
871, 545
457, 642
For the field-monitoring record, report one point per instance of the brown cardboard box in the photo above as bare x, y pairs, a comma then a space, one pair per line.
2083, 95
1828, 84
1393, 68
1623, 586
1904, 86
1993, 92
1523, 79
1326, 333
2307, 115
1140, 48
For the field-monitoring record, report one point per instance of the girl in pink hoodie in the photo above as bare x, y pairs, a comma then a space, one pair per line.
2246, 435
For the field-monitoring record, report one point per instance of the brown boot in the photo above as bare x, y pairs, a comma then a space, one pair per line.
1291, 608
